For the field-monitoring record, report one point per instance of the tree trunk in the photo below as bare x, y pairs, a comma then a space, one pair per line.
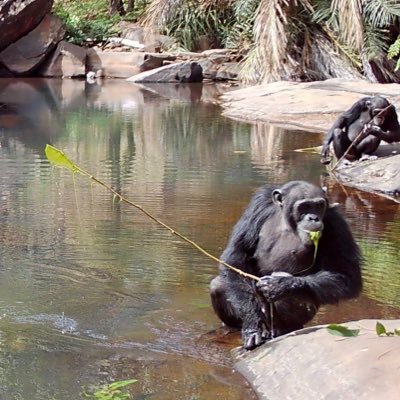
130, 6
116, 7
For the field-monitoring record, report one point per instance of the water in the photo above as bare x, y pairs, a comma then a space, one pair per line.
92, 291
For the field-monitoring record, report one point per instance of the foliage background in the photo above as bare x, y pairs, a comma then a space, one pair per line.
277, 39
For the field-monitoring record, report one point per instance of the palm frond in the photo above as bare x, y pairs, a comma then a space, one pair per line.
159, 12
381, 13
375, 44
323, 14
350, 20
240, 32
270, 36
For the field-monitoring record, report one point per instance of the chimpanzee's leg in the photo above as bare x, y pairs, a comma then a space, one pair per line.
222, 306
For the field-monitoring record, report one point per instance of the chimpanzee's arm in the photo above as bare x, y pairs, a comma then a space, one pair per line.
388, 136
340, 123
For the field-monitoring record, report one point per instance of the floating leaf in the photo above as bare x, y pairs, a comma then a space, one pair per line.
380, 329
340, 330
57, 157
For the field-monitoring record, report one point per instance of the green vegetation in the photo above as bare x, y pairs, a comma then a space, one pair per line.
279, 39
341, 330
394, 51
92, 20
113, 391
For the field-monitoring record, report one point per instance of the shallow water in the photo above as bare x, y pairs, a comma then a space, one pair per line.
93, 291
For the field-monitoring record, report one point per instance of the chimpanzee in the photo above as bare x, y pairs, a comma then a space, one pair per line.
375, 117
272, 241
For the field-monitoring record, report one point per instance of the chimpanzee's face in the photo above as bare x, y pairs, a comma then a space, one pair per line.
304, 207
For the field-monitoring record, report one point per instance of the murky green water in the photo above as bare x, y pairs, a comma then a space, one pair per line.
91, 290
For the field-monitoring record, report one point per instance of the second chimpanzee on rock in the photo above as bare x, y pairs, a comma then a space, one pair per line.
369, 120
272, 240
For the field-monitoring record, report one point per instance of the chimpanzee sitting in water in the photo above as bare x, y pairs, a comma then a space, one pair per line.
375, 117
272, 240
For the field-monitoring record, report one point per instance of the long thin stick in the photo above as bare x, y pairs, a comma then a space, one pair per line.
60, 159
357, 137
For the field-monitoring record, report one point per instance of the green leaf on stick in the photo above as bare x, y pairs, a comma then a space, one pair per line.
58, 158
340, 330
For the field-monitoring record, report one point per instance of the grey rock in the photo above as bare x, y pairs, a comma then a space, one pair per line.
179, 72
68, 61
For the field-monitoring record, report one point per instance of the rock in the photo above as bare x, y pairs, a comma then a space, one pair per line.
115, 65
210, 69
155, 60
381, 175
67, 61
25, 55
313, 364
311, 106
18, 17
214, 52
228, 72
124, 64
179, 72
151, 40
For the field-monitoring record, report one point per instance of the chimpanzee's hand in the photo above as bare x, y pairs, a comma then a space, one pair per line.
254, 337
278, 286
325, 157
371, 129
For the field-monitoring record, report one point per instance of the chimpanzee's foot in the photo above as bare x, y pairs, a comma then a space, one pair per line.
368, 157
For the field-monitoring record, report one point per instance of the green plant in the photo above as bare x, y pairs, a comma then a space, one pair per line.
112, 391
86, 20
394, 51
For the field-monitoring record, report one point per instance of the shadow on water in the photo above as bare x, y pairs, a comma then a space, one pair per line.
91, 290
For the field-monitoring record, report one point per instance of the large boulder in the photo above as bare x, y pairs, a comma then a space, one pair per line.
25, 55
180, 72
18, 17
313, 364
123, 64
67, 61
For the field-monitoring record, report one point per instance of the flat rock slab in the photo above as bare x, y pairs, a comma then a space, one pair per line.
311, 106
381, 175
313, 364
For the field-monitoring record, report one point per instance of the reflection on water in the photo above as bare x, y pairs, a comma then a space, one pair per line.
91, 289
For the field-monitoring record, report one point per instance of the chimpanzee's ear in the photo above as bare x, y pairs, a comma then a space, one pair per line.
277, 197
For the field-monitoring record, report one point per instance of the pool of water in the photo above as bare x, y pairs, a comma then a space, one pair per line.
91, 290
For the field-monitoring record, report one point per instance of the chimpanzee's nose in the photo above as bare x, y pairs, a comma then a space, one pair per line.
312, 217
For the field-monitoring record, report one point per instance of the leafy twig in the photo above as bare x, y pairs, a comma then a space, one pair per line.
58, 158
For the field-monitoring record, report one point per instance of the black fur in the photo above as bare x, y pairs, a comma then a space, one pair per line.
362, 116
266, 239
